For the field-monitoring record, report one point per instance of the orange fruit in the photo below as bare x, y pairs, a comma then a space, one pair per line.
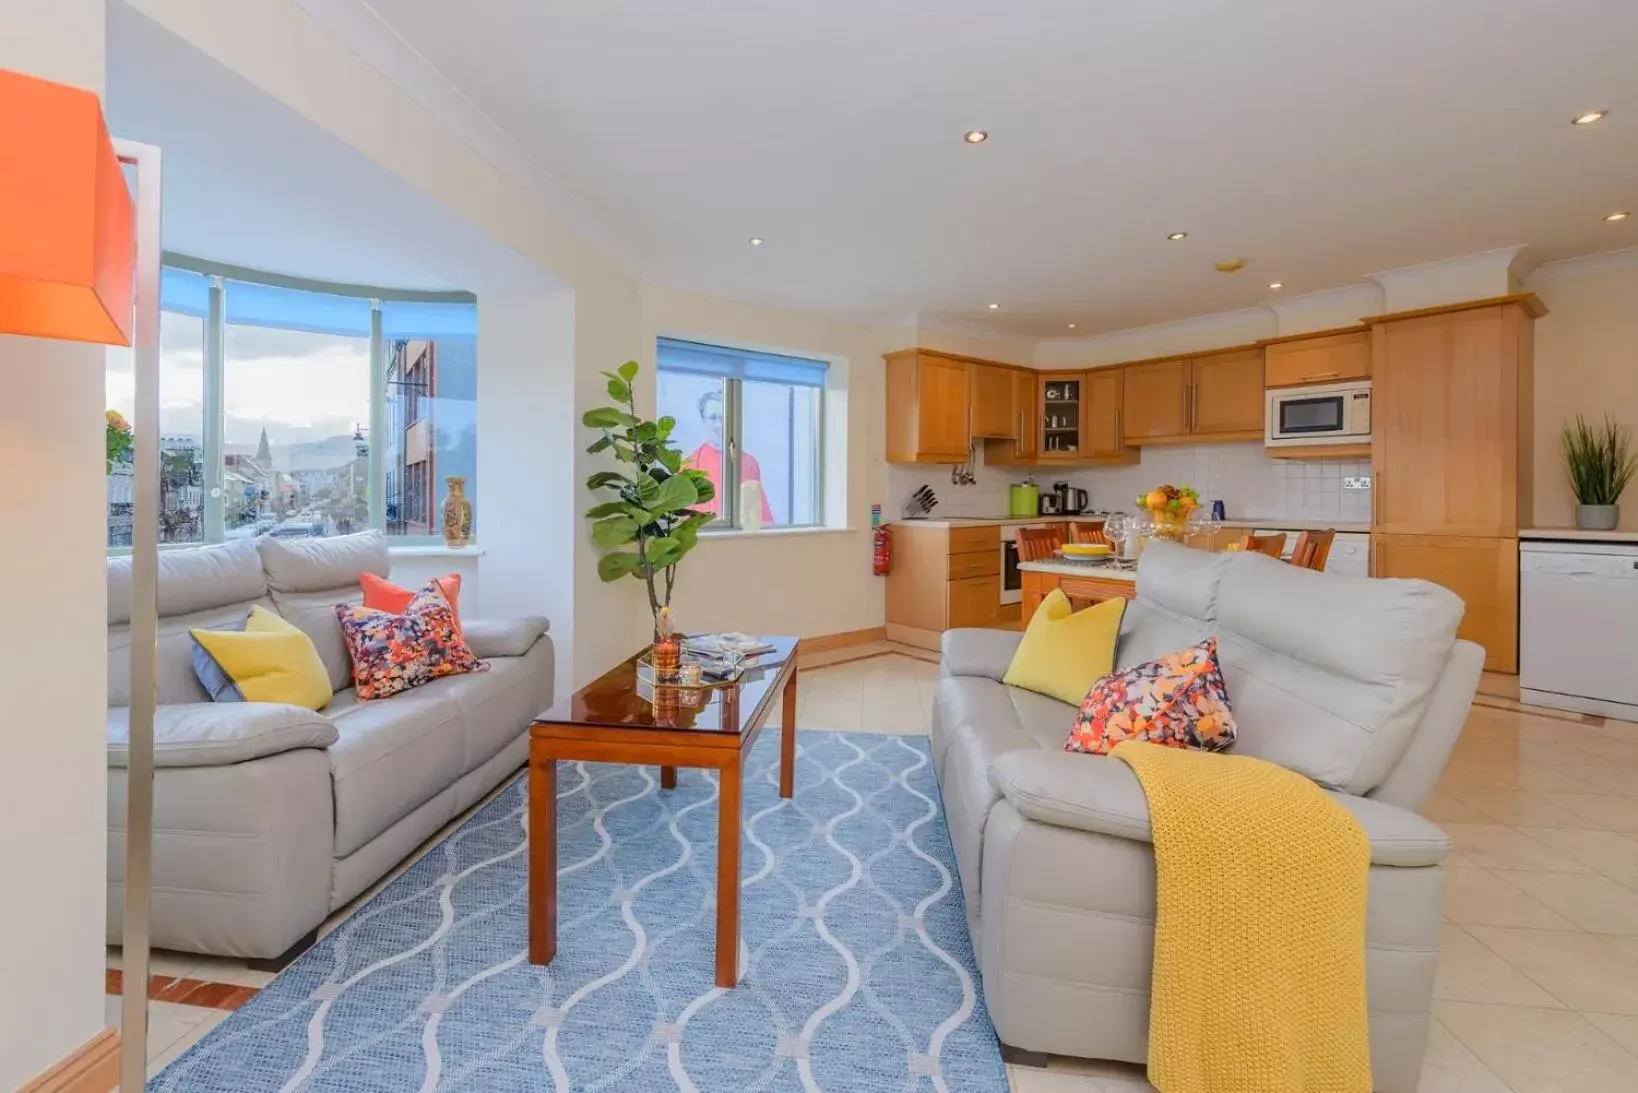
1157, 499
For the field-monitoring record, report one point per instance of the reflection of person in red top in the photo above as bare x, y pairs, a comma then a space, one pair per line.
708, 458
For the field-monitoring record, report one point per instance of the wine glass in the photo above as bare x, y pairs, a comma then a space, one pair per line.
1117, 527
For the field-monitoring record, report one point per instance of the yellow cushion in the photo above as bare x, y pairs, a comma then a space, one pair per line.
268, 661
1065, 651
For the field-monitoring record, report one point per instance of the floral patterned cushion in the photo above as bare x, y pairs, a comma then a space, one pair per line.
1178, 700
392, 653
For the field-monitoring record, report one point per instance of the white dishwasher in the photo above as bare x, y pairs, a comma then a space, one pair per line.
1578, 627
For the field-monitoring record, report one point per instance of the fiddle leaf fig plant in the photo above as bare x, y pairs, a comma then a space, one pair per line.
653, 519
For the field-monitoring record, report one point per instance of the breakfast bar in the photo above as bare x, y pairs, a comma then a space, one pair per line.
1085, 582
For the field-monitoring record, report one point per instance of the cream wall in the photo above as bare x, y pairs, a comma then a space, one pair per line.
799, 582
53, 754
1586, 363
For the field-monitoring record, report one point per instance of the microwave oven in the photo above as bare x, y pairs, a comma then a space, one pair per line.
1334, 413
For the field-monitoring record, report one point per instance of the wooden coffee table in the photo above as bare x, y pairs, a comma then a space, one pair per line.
613, 720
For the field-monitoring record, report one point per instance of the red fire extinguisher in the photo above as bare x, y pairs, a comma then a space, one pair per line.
881, 559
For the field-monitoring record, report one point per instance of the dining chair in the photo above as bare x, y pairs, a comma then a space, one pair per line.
1039, 544
1313, 548
1272, 544
1087, 531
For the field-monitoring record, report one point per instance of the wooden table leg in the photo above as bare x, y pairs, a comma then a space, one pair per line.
728, 823
787, 738
542, 860
668, 777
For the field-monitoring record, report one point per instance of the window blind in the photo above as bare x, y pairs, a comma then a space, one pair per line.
184, 292
417, 319
743, 364
251, 304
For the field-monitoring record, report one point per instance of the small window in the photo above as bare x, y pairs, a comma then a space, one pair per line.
753, 422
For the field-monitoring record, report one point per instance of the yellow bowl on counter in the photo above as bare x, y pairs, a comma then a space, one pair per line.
1087, 550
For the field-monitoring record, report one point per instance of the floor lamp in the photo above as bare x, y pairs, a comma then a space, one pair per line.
79, 261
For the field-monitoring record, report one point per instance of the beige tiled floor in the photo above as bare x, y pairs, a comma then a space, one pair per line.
1537, 990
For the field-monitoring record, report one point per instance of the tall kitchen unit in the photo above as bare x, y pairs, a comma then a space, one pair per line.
1451, 452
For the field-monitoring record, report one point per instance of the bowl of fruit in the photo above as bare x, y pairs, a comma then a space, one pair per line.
1169, 507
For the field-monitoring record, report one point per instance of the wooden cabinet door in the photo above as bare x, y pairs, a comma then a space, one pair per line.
1483, 572
1445, 423
1026, 395
994, 416
1105, 392
1155, 401
1226, 398
974, 601
1333, 358
942, 410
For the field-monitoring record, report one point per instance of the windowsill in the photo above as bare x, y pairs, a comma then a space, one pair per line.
772, 533
434, 550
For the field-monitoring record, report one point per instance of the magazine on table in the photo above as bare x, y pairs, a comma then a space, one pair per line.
724, 656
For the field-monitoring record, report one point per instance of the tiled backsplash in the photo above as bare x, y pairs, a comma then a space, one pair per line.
1247, 482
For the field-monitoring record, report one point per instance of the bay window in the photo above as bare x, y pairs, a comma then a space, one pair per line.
298, 409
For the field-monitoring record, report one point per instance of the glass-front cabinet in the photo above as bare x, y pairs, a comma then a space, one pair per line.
1062, 417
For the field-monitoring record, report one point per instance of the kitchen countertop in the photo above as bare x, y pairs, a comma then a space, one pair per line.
1578, 535
1273, 523
1076, 569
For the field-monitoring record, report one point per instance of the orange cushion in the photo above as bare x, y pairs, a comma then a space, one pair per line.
381, 594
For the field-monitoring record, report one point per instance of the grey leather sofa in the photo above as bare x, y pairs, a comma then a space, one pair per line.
1359, 684
269, 817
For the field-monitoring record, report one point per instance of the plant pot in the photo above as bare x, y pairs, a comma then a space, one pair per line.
1597, 517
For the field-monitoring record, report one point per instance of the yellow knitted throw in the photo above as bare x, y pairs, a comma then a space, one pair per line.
1259, 975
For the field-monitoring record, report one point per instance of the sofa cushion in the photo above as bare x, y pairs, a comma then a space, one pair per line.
1176, 701
317, 565
1065, 650
314, 614
391, 757
970, 652
1148, 632
1180, 579
1100, 794
395, 653
265, 659
209, 734
1330, 675
503, 637
191, 581
174, 654
496, 706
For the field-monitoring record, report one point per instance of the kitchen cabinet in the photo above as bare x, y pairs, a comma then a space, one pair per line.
994, 403
929, 406
1226, 400
942, 577
1105, 395
1155, 401
1061, 415
1215, 396
1450, 417
1317, 358
1484, 572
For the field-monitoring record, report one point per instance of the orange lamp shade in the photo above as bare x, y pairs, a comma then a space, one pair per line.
67, 222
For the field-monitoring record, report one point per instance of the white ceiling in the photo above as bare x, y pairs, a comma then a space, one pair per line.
1320, 141
250, 183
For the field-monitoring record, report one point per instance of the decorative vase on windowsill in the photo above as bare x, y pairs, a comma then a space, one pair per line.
1601, 463
457, 514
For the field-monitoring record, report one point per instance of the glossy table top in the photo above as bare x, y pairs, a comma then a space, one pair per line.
617, 699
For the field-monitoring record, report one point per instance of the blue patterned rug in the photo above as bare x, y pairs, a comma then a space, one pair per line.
859, 971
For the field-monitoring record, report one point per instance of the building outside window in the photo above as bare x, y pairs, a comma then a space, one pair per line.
297, 410
752, 421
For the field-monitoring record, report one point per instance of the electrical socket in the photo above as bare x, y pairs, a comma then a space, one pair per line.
1361, 483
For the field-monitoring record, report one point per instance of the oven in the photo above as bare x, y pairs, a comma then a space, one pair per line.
1338, 413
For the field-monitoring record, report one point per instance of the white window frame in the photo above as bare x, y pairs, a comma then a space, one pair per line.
733, 431
212, 519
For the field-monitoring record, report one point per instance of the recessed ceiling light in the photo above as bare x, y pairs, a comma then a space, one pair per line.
975, 136
1276, 285
1072, 326
1175, 236
1590, 117
995, 307
756, 240
1612, 217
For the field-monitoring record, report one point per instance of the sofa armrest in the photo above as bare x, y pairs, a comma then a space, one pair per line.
1099, 794
214, 734
979, 652
503, 637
